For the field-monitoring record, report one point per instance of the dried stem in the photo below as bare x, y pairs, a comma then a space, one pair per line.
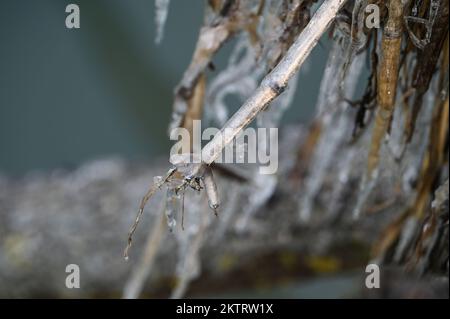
387, 80
276, 81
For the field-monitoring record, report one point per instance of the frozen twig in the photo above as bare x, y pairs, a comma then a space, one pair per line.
156, 186
275, 82
271, 87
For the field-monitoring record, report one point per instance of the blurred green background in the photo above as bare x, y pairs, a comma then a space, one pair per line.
67, 96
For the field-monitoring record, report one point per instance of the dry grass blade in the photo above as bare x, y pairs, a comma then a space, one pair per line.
155, 187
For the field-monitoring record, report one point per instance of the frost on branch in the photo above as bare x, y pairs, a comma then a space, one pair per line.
382, 149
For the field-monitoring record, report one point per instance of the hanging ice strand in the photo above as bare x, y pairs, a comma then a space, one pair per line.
161, 12
239, 79
172, 205
328, 96
189, 243
333, 117
264, 184
414, 157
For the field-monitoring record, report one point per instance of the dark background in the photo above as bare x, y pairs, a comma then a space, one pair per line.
68, 96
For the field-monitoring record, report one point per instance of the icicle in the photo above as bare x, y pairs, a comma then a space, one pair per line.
172, 204
189, 243
236, 79
265, 184
161, 12
335, 135
232, 201
328, 93
366, 187
396, 140
406, 237
261, 190
248, 63
211, 190
417, 148
412, 159
357, 41
433, 232
210, 40
394, 148
327, 96
344, 168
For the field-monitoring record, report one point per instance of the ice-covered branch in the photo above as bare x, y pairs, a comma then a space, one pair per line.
276, 81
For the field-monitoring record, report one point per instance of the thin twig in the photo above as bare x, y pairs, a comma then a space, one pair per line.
135, 283
145, 199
